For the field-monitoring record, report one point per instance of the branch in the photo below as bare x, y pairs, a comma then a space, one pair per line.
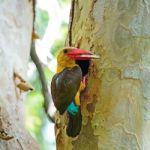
45, 91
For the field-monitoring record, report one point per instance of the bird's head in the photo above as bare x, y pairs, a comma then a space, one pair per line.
76, 54
70, 56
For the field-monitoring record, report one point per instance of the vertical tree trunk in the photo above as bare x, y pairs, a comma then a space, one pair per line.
116, 106
16, 19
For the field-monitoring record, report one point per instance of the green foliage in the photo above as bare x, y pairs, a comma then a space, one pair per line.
59, 43
36, 118
34, 112
48, 73
34, 80
41, 20
63, 2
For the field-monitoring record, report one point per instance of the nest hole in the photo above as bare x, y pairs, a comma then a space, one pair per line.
84, 65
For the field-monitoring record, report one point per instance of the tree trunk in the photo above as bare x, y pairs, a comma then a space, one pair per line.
116, 105
16, 19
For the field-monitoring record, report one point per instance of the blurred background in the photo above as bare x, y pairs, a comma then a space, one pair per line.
51, 24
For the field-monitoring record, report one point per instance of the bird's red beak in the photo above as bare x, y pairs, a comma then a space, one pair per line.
80, 54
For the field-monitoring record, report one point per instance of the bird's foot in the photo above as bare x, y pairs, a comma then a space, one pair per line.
83, 83
72, 108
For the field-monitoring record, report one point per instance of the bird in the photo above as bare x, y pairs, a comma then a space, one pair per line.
67, 84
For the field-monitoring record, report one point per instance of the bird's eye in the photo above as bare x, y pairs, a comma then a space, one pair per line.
65, 51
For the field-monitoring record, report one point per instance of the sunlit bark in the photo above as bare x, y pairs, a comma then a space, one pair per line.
16, 19
116, 105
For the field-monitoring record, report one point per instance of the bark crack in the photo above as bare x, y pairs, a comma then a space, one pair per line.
130, 133
20, 144
92, 6
71, 21
146, 5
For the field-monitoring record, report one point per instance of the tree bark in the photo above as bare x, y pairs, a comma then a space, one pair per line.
116, 104
16, 22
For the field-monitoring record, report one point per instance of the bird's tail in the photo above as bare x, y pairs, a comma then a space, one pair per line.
74, 124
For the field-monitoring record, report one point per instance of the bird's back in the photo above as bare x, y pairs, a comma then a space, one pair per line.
64, 87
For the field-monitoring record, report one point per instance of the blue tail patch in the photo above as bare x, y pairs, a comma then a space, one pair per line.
72, 108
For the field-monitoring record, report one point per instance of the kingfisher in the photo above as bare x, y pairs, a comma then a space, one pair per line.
68, 82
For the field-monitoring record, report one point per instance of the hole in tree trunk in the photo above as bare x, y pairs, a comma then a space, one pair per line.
84, 65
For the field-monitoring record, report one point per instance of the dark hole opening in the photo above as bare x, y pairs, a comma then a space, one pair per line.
84, 65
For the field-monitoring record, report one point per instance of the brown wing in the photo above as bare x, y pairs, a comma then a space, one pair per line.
64, 87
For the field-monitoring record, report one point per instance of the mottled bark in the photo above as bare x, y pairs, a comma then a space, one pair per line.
116, 105
16, 19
